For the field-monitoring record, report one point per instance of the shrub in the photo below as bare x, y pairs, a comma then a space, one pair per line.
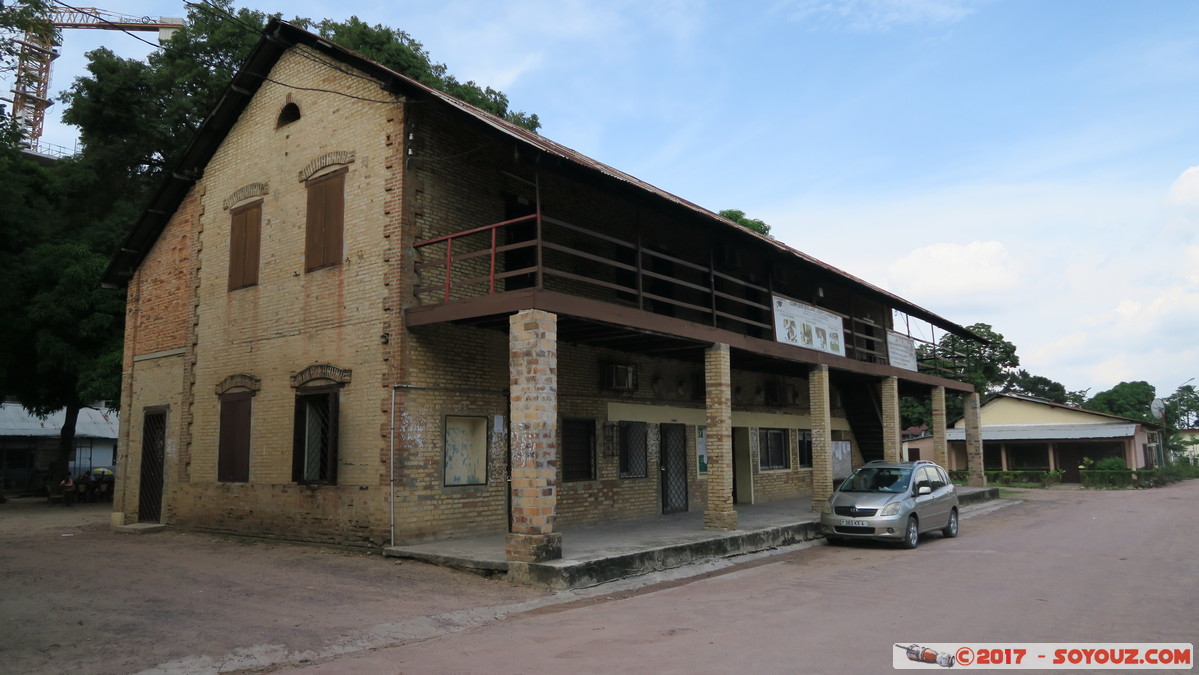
1110, 464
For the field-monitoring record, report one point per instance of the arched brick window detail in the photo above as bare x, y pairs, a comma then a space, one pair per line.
314, 443
290, 113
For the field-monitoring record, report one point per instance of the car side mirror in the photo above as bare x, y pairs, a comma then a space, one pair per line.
924, 490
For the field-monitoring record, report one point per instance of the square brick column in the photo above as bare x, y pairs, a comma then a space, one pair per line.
718, 382
940, 422
822, 436
974, 442
892, 427
533, 380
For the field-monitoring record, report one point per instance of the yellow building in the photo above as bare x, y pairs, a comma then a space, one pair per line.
1028, 433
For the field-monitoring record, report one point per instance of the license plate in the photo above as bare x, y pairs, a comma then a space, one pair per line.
854, 523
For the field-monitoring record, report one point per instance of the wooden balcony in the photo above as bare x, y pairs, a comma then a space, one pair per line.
664, 298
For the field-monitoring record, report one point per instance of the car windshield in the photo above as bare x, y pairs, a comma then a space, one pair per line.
870, 479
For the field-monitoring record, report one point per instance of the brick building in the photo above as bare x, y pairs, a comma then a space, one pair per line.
361, 311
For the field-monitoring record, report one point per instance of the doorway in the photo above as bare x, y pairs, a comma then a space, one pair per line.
674, 468
154, 442
743, 470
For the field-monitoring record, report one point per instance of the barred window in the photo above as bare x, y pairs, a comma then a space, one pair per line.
773, 452
633, 442
314, 458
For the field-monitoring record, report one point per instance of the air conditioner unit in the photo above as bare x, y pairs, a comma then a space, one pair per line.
620, 377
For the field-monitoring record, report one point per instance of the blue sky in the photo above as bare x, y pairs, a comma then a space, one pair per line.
1031, 165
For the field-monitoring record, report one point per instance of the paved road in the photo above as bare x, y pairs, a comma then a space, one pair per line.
1060, 566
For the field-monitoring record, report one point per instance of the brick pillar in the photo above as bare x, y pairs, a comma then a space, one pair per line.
533, 378
822, 436
892, 426
718, 381
940, 442
974, 442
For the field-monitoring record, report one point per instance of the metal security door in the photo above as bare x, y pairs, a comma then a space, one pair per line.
154, 442
674, 468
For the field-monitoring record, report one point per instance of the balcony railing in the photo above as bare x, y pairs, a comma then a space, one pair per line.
552, 254
538, 251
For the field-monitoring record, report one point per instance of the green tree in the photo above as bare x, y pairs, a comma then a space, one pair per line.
1182, 408
1024, 382
62, 332
748, 223
1127, 399
988, 367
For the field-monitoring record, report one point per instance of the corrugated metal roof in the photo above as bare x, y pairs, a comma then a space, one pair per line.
1046, 432
279, 36
15, 420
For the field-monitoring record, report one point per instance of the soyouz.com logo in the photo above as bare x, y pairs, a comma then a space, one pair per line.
1045, 656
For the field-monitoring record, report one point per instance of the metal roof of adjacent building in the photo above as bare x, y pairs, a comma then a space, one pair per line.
1046, 432
15, 420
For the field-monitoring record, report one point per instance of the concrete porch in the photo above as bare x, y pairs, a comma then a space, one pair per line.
602, 552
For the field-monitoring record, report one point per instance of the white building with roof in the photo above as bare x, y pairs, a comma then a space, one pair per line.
28, 443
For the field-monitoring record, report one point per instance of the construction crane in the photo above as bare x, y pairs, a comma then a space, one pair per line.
32, 81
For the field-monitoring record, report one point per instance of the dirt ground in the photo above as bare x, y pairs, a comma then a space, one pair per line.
77, 598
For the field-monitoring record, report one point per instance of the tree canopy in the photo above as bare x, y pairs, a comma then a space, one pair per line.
739, 217
1127, 399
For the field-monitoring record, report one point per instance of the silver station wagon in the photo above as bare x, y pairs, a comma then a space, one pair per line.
892, 501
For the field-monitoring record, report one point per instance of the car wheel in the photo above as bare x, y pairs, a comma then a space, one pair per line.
834, 541
911, 536
951, 530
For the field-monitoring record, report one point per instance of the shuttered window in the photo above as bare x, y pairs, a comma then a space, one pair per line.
245, 235
314, 458
233, 462
326, 211
578, 450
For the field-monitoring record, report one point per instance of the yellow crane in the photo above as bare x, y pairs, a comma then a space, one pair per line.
32, 78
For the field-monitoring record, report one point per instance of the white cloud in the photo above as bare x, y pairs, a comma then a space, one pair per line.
950, 272
1185, 190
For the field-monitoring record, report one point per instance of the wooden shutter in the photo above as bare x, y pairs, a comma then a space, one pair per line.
233, 463
326, 211
245, 236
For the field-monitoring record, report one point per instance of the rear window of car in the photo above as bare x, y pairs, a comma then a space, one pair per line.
873, 479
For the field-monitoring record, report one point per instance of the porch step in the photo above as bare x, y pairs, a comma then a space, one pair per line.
139, 528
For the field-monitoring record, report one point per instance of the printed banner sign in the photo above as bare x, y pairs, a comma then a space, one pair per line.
806, 326
901, 351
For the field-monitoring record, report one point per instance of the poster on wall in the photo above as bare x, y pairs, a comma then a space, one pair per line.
806, 326
701, 449
901, 351
842, 459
